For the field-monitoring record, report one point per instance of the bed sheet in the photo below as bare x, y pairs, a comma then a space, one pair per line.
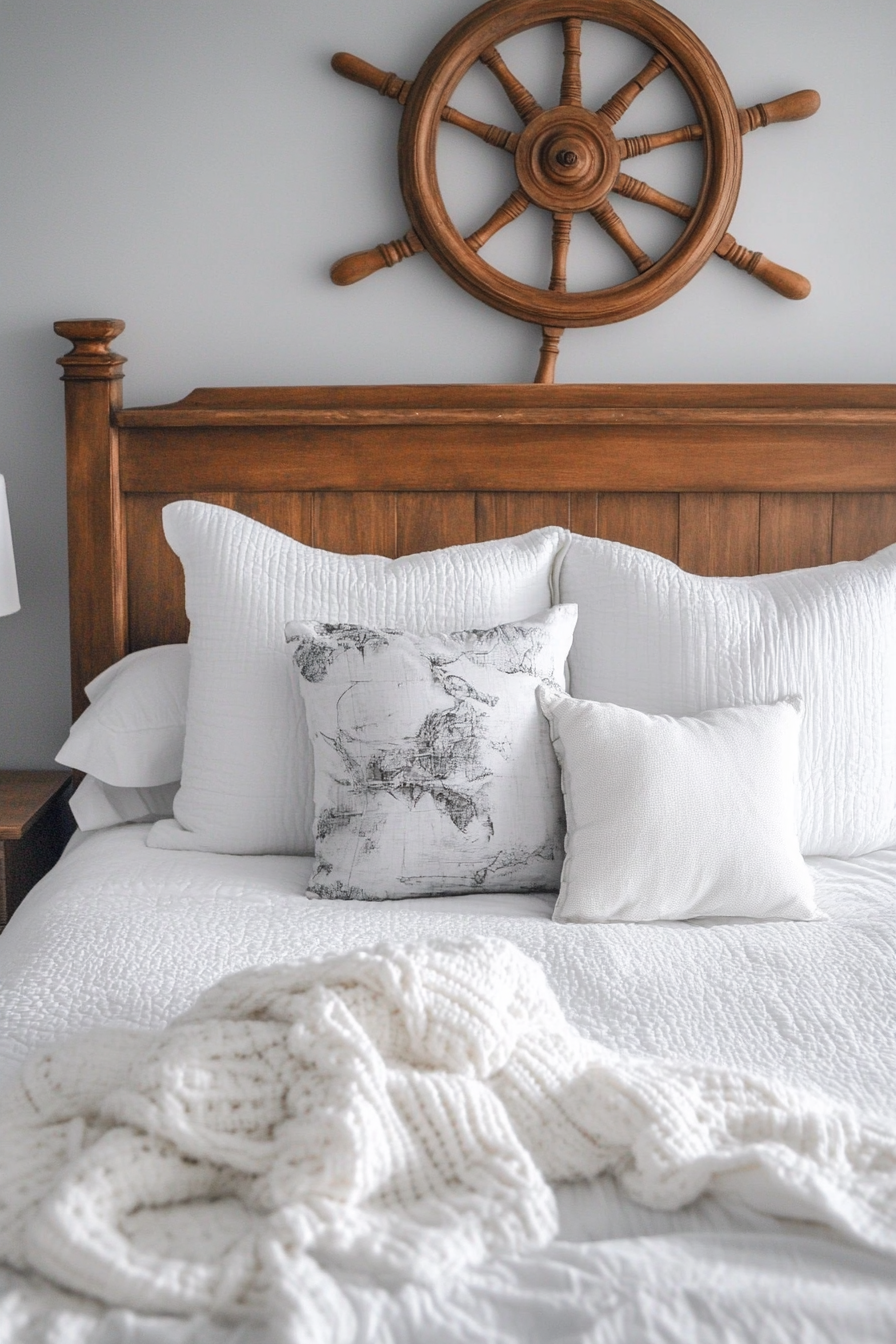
119, 934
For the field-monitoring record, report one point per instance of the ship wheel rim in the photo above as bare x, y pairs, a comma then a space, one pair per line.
703, 81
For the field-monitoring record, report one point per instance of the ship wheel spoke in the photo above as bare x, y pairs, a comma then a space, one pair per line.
550, 349
633, 145
636, 190
571, 82
612, 225
560, 237
393, 86
789, 284
505, 214
792, 107
358, 265
525, 105
492, 135
623, 98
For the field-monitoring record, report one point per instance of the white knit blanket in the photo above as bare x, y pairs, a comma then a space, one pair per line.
391, 1115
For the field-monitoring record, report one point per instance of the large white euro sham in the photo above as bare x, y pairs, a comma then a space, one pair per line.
654, 638
247, 775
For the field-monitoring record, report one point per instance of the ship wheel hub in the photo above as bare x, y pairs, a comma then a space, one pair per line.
567, 159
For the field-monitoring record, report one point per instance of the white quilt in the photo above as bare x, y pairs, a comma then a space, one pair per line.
123, 936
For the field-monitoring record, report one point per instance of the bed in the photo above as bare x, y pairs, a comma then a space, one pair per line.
732, 481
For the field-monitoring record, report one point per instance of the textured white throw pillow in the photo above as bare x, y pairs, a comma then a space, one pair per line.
675, 818
132, 733
247, 775
433, 767
655, 638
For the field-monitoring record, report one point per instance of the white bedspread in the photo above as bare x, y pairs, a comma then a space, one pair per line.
125, 936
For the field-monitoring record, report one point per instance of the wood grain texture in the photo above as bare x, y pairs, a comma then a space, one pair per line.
649, 521
427, 521
547, 355
548, 439
360, 522
506, 457
583, 506
156, 612
792, 107
507, 514
862, 524
285, 512
794, 531
358, 265
24, 797
92, 374
719, 533
824, 404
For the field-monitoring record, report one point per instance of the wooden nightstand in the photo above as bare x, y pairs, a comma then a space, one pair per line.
35, 824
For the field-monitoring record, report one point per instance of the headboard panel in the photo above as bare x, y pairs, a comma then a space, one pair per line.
722, 479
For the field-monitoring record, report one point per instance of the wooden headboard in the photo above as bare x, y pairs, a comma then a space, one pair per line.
722, 479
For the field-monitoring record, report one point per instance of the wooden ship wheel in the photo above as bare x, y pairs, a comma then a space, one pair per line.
569, 161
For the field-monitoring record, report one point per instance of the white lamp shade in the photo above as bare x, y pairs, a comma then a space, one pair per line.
9, 589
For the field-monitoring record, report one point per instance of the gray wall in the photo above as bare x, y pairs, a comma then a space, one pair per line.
193, 167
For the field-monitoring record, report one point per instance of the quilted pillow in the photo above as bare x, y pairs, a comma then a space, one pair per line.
433, 767
678, 818
654, 638
246, 786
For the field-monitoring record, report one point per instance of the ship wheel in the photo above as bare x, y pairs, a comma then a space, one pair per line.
569, 161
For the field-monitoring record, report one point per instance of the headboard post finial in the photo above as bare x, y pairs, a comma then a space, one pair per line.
92, 374
90, 356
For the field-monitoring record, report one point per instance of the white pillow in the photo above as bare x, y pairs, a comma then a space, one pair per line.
95, 805
433, 768
247, 775
655, 638
132, 733
678, 818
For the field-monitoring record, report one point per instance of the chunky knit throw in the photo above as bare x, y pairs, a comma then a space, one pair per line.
384, 1116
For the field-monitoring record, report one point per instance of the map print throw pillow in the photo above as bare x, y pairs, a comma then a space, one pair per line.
434, 772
